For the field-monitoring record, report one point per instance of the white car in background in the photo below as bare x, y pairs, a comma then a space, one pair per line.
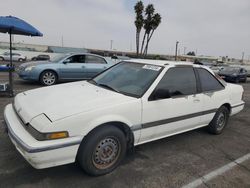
136, 101
15, 57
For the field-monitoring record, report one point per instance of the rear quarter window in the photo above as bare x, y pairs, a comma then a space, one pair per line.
208, 81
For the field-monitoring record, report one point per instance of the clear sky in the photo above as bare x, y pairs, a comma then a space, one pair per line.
212, 27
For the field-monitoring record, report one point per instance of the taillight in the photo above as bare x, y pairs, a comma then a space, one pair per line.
242, 97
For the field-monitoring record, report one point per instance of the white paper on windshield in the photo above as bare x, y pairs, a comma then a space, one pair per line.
152, 67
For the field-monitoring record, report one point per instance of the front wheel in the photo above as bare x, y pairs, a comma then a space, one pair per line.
1, 59
102, 150
219, 121
237, 80
48, 78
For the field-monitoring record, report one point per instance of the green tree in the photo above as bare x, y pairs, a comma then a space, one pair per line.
149, 21
191, 53
139, 20
149, 12
156, 20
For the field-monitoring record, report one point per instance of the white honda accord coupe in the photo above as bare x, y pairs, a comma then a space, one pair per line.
96, 122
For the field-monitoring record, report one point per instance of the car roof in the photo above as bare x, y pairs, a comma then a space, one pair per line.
83, 53
168, 63
161, 62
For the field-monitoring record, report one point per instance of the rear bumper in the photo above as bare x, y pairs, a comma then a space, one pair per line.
40, 154
237, 108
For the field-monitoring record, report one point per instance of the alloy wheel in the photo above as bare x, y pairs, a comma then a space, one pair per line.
49, 78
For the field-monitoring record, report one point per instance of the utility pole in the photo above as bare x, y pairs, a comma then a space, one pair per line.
176, 50
62, 41
242, 59
111, 44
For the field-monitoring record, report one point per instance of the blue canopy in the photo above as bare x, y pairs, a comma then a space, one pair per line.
13, 25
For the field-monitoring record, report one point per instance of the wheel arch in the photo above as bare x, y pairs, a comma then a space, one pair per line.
122, 126
228, 106
53, 70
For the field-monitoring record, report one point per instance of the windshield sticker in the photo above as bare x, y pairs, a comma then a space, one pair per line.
152, 67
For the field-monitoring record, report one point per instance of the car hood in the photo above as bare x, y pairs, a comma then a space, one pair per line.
64, 100
34, 63
226, 73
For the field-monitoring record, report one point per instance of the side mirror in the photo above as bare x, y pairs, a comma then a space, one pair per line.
66, 61
160, 94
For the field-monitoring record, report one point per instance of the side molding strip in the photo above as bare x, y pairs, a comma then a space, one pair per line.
238, 105
171, 120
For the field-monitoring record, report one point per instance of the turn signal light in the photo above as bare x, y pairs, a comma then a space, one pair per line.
57, 135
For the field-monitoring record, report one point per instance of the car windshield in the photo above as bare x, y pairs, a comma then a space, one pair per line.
59, 57
128, 78
230, 70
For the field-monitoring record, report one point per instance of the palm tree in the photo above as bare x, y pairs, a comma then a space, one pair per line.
156, 20
139, 8
149, 12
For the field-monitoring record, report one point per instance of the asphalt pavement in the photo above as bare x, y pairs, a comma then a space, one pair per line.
181, 160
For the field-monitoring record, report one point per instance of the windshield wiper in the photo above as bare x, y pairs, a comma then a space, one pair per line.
108, 87
92, 82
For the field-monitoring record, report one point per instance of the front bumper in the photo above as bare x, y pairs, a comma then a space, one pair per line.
228, 78
40, 154
25, 75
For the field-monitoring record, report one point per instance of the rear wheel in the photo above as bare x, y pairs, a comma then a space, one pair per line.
1, 59
219, 121
102, 150
237, 80
20, 60
48, 78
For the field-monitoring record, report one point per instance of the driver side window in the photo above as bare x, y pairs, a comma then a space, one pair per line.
179, 81
76, 59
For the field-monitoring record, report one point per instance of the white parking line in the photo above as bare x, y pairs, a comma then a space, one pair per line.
217, 172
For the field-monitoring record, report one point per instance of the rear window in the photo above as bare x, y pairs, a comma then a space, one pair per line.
208, 81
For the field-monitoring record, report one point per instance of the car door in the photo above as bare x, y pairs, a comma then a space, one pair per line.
177, 113
94, 65
72, 68
15, 57
6, 56
212, 94
242, 74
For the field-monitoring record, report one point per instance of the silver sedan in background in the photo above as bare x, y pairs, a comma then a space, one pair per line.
15, 57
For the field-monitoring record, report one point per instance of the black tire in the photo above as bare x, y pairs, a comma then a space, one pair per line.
1, 59
102, 150
237, 80
20, 60
220, 120
48, 78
